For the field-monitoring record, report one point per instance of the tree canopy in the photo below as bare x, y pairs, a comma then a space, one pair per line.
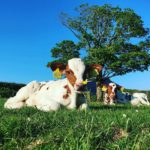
113, 37
64, 51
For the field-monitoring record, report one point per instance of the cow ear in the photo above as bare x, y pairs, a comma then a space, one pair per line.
57, 68
93, 69
98, 68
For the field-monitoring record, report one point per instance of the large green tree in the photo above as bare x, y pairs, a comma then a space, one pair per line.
113, 37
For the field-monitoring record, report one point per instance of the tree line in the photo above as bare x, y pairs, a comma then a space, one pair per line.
9, 89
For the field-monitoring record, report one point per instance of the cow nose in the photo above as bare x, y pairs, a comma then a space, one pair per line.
79, 84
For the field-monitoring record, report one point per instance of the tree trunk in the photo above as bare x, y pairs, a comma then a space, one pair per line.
99, 94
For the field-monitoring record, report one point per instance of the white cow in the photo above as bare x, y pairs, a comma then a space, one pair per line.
54, 94
136, 99
139, 99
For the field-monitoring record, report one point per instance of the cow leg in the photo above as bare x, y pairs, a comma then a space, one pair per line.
72, 104
106, 99
13, 103
111, 102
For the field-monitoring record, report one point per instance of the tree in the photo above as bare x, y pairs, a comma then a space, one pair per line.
64, 51
111, 36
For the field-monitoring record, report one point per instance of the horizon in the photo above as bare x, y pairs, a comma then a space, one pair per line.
29, 29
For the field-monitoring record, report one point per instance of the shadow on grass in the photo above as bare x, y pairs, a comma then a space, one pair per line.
101, 107
115, 107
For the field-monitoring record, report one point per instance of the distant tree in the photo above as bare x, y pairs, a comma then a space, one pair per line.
111, 36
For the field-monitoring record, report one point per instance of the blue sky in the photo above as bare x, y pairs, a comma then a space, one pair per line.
30, 28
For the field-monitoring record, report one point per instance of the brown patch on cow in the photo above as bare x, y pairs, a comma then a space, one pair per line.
111, 95
65, 96
68, 92
97, 67
92, 67
24, 101
68, 89
70, 76
47, 88
89, 68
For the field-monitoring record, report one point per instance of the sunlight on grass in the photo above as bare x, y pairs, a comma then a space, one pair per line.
100, 127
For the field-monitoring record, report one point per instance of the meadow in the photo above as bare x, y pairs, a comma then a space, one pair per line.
101, 127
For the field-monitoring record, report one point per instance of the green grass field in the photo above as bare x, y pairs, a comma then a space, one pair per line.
100, 127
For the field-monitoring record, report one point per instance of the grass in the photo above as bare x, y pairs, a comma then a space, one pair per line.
101, 127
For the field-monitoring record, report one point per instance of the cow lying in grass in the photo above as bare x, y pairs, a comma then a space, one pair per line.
136, 99
54, 94
114, 95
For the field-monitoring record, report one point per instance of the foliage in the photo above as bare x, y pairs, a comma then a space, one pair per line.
113, 37
100, 127
64, 51
9, 89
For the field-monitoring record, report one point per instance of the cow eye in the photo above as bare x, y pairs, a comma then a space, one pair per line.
69, 72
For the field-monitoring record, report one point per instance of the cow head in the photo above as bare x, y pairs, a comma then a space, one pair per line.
110, 89
75, 71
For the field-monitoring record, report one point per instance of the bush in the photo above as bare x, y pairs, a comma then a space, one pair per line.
9, 89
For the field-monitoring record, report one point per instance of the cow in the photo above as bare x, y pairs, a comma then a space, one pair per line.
109, 93
63, 92
135, 99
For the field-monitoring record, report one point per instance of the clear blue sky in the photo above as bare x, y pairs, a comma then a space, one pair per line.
30, 28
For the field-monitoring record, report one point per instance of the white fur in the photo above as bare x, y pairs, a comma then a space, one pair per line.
139, 99
78, 68
22, 95
50, 95
113, 85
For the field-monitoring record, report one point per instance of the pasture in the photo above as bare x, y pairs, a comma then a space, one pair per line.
100, 127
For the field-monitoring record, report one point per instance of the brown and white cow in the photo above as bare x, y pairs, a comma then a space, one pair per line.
109, 93
53, 94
